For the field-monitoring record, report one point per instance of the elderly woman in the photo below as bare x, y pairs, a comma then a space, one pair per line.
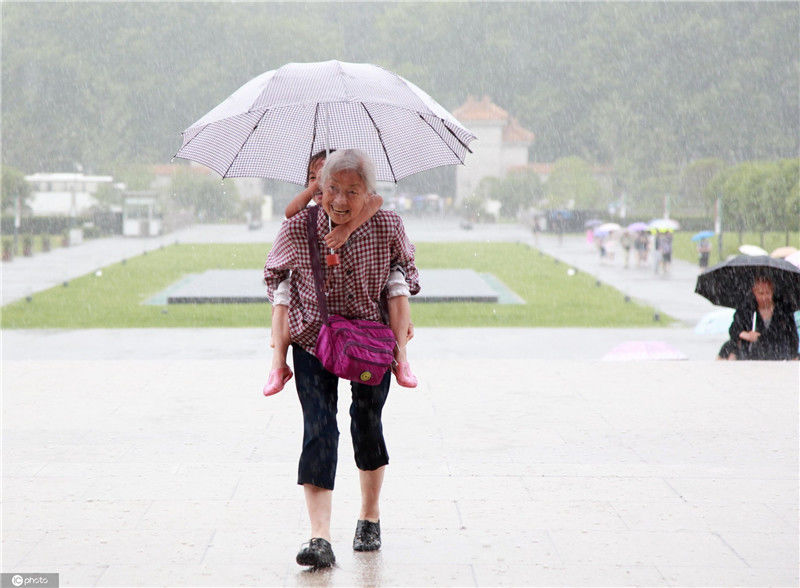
763, 327
356, 288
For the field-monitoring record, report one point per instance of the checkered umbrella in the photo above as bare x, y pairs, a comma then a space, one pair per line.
271, 126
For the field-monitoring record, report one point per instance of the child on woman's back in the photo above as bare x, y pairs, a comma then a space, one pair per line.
398, 305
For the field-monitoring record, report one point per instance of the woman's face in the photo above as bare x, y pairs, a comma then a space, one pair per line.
344, 196
763, 290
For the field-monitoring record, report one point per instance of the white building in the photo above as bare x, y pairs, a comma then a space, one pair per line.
501, 144
67, 194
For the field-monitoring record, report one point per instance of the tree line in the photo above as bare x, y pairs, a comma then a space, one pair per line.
642, 89
749, 196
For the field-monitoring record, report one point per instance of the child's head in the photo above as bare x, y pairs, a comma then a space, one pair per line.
314, 166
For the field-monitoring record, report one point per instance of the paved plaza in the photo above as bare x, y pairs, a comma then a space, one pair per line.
149, 457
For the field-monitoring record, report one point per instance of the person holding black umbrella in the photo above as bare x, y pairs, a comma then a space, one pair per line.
763, 327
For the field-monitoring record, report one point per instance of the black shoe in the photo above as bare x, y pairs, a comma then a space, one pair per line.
368, 536
316, 553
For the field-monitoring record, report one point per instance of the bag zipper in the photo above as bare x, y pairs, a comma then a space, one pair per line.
385, 339
369, 347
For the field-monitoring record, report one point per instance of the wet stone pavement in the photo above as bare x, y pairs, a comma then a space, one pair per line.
145, 459
149, 457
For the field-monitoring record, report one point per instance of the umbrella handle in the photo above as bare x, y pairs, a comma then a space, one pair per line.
327, 128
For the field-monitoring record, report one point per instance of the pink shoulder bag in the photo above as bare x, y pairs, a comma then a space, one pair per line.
358, 350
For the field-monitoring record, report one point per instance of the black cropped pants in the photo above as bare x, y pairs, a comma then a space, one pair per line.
317, 389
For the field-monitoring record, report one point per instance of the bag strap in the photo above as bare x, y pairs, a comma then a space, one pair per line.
316, 266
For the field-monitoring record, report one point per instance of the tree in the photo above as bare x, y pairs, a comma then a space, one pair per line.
14, 187
789, 186
475, 205
793, 210
572, 184
108, 195
695, 180
209, 198
758, 195
740, 192
769, 199
517, 192
658, 194
136, 177
645, 83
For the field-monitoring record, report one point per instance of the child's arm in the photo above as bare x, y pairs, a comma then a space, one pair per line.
339, 235
300, 201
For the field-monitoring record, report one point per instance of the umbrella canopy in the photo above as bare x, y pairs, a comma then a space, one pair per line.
716, 322
703, 235
607, 228
643, 350
637, 226
753, 250
797, 322
592, 222
783, 252
794, 258
664, 224
273, 124
730, 283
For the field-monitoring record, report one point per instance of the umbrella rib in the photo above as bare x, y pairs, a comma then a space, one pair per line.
380, 138
246, 139
464, 145
190, 140
313, 138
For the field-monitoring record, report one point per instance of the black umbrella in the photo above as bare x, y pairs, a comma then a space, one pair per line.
730, 283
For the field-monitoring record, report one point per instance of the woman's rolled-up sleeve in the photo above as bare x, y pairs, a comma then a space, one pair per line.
280, 260
402, 252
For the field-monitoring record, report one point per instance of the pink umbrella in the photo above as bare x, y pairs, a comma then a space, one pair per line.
643, 351
794, 258
783, 252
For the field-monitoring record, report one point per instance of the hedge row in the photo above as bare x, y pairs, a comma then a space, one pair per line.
107, 223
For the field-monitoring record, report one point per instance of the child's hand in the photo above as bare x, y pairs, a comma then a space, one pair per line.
337, 237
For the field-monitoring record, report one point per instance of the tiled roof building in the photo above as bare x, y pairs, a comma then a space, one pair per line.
502, 144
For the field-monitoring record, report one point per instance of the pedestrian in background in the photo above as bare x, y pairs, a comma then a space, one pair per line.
703, 252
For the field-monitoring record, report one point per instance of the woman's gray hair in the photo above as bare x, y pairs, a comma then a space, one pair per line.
349, 159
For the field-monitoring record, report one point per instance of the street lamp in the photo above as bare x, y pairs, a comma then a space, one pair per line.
718, 224
17, 220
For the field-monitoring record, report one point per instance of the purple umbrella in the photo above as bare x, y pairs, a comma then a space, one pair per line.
637, 226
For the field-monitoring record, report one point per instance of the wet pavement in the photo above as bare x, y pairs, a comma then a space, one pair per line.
671, 293
149, 457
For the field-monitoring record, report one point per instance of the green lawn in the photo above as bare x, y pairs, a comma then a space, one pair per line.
114, 299
684, 248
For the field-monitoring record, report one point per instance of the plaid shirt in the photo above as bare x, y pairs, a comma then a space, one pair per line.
354, 287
